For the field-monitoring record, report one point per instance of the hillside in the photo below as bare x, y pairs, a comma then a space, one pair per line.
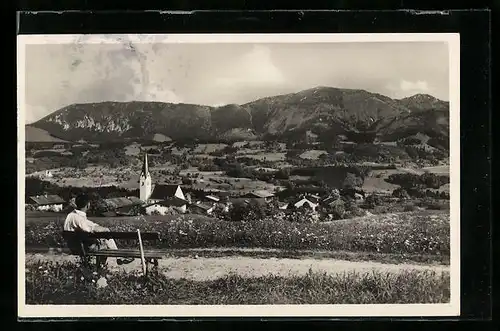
419, 102
325, 111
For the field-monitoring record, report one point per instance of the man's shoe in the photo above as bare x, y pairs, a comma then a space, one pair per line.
124, 261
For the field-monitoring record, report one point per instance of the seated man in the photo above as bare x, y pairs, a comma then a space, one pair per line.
77, 221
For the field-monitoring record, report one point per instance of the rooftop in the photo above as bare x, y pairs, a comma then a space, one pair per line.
122, 202
260, 194
161, 191
47, 199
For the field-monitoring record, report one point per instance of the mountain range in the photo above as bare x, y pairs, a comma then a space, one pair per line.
325, 111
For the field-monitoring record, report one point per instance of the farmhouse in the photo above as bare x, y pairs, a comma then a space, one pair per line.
122, 206
163, 207
305, 202
283, 205
47, 202
247, 201
266, 195
170, 195
313, 198
202, 208
332, 197
211, 198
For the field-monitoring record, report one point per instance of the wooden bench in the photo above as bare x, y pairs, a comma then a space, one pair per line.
79, 242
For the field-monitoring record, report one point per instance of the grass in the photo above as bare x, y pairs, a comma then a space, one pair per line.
53, 283
411, 235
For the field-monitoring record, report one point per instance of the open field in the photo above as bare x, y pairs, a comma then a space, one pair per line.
441, 170
65, 283
420, 236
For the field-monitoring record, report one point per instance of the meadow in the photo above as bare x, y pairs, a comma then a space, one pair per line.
65, 283
415, 236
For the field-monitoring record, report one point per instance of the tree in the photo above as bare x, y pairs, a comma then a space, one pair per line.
400, 193
352, 181
98, 207
373, 200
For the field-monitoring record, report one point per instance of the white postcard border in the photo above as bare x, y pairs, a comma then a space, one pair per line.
409, 310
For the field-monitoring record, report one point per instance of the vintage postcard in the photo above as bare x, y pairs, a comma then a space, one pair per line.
239, 175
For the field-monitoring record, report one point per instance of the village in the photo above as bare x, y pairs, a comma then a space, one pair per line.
168, 199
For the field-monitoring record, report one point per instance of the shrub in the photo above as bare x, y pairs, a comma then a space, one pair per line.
409, 207
352, 181
336, 209
412, 181
400, 193
41, 154
373, 200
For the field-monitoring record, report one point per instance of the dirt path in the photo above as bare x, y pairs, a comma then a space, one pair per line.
213, 268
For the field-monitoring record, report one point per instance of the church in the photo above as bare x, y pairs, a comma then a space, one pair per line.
159, 198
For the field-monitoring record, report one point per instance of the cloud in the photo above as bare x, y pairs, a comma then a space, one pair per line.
414, 86
255, 68
407, 88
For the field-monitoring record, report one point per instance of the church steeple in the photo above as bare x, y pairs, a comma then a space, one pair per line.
145, 169
145, 185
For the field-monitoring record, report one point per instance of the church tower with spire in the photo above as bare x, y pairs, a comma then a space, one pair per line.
145, 181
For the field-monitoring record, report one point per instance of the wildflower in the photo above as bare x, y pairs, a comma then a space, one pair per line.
102, 282
82, 278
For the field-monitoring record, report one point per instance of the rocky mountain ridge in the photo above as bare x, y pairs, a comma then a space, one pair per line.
326, 111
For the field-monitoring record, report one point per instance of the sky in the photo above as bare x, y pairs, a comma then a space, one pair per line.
57, 75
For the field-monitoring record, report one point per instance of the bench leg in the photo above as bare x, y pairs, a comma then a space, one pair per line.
151, 263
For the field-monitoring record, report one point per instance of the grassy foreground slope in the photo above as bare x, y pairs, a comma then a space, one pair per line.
50, 283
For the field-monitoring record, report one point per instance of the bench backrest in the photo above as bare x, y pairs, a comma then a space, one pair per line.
78, 242
111, 235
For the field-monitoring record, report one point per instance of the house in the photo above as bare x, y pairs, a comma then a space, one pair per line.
329, 200
246, 201
262, 194
202, 208
353, 193
313, 198
169, 195
359, 196
47, 202
283, 205
305, 202
163, 207
211, 198
123, 205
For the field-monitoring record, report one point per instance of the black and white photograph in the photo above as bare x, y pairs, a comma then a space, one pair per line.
238, 175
